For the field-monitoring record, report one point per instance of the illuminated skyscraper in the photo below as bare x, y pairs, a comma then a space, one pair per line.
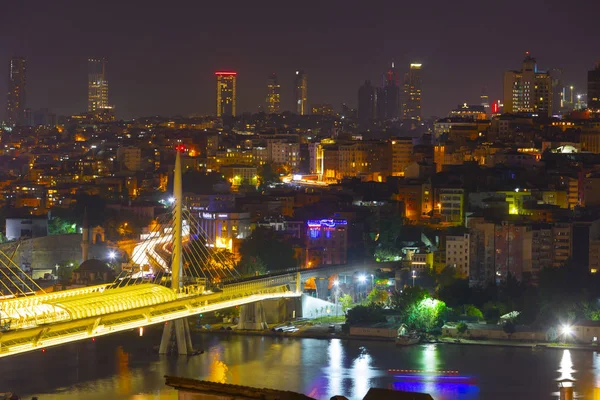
97, 85
593, 82
485, 100
301, 92
15, 101
388, 97
273, 94
226, 93
411, 107
528, 90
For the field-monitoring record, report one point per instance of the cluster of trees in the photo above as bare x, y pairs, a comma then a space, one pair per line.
561, 295
416, 308
265, 251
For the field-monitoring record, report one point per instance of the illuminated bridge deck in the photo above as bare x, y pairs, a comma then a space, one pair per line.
62, 317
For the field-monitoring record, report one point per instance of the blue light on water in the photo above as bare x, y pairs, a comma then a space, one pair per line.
440, 390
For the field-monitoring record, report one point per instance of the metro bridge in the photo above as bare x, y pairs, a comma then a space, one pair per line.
156, 291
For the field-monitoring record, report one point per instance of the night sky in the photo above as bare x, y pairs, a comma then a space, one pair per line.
162, 55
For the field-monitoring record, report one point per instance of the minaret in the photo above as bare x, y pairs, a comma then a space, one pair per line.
85, 237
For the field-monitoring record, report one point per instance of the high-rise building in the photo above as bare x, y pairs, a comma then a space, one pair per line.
97, 85
367, 102
15, 102
528, 90
411, 107
273, 94
388, 98
226, 93
558, 90
593, 94
485, 100
301, 92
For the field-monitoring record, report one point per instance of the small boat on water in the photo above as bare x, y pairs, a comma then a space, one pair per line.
406, 338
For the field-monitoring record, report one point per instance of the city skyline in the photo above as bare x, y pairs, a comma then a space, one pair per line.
56, 76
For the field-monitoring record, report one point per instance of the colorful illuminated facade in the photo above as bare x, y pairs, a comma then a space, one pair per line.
326, 241
226, 93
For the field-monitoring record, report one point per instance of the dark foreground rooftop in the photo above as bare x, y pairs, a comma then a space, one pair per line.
225, 390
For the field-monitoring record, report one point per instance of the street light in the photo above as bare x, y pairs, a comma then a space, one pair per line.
112, 255
336, 288
362, 278
414, 275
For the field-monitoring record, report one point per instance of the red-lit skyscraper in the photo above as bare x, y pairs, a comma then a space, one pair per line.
226, 93
388, 99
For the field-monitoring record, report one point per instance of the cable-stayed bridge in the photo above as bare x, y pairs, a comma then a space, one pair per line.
174, 273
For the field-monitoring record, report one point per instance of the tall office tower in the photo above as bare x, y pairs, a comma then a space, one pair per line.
301, 92
557, 90
273, 94
388, 99
485, 100
226, 93
411, 107
528, 90
593, 92
15, 101
367, 102
97, 85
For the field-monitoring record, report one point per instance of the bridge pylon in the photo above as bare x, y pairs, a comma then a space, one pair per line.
177, 330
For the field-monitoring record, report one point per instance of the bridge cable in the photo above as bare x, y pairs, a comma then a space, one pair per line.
19, 268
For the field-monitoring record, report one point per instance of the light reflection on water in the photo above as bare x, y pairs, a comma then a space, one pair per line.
119, 369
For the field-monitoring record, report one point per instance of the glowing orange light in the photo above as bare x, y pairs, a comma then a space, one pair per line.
225, 73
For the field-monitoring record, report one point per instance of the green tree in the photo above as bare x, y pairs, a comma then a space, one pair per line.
400, 301
492, 311
472, 311
267, 174
65, 273
461, 328
509, 328
61, 226
274, 252
365, 315
428, 315
345, 302
377, 296
251, 266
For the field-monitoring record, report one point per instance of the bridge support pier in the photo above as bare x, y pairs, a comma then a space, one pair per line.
252, 316
322, 288
176, 332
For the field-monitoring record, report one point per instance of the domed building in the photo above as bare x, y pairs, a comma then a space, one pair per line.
92, 272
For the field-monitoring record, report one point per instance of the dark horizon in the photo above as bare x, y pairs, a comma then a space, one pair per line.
161, 60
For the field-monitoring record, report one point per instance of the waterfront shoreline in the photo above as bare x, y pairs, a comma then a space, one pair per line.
303, 334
